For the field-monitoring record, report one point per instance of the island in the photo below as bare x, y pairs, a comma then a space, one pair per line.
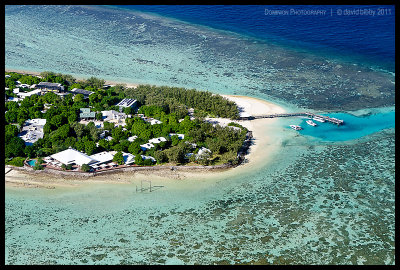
57, 124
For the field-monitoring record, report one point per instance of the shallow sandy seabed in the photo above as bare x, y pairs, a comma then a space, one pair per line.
266, 143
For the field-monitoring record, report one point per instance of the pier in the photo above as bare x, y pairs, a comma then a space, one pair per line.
307, 114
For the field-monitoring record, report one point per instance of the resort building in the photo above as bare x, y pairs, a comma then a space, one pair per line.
180, 136
148, 157
32, 130
72, 156
48, 86
146, 146
128, 102
102, 157
22, 95
85, 93
112, 115
131, 139
128, 158
85, 113
202, 151
155, 121
157, 140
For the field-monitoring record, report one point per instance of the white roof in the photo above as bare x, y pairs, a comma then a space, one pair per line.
127, 102
180, 136
36, 121
155, 121
70, 156
131, 139
203, 150
157, 140
102, 157
146, 146
128, 158
148, 157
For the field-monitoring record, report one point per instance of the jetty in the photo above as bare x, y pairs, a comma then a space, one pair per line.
306, 114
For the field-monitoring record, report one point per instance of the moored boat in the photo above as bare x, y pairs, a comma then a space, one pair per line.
311, 123
319, 119
295, 127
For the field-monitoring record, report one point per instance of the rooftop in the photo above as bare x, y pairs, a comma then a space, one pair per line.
72, 156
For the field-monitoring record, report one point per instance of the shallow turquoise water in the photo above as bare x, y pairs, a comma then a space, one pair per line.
354, 127
320, 201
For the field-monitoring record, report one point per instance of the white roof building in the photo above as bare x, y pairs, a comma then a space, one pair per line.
180, 136
146, 146
158, 140
148, 157
127, 102
155, 121
113, 115
128, 158
131, 139
72, 156
102, 157
28, 94
32, 130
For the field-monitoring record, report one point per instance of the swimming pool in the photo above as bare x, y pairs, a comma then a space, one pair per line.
32, 162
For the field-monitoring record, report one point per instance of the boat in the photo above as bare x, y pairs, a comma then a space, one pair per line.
319, 119
311, 123
296, 127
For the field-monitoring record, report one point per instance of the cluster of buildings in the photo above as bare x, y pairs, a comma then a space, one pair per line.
102, 160
151, 142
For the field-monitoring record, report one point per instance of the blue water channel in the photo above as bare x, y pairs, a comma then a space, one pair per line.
354, 127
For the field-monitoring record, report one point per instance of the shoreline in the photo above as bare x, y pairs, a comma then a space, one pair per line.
264, 145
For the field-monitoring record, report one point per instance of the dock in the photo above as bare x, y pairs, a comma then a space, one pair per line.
306, 114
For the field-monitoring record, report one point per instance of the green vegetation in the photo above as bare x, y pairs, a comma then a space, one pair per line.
170, 105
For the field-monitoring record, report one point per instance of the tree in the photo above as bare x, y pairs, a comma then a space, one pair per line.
134, 148
10, 132
85, 167
139, 160
99, 116
148, 162
90, 146
118, 158
56, 121
160, 156
14, 147
11, 116
79, 98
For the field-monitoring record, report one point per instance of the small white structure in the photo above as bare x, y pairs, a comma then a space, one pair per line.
113, 115
203, 150
155, 122
180, 136
146, 146
131, 139
157, 140
16, 90
109, 138
148, 157
102, 157
72, 156
128, 158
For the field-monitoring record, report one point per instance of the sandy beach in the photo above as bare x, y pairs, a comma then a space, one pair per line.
266, 143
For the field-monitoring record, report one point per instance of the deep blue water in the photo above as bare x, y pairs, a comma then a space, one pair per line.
354, 127
364, 38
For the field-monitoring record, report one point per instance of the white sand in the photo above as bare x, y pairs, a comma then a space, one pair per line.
266, 143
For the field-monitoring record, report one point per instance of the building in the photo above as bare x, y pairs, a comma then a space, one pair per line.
102, 157
85, 93
131, 139
128, 102
32, 130
112, 116
23, 95
48, 86
85, 113
148, 157
157, 140
146, 146
72, 156
155, 121
128, 158
180, 136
